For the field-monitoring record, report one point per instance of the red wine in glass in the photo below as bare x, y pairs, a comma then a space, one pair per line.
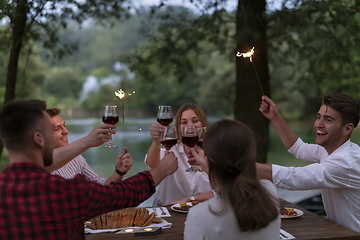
190, 141
110, 119
169, 143
190, 138
165, 121
110, 116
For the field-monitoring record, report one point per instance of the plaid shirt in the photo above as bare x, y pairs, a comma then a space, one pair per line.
37, 205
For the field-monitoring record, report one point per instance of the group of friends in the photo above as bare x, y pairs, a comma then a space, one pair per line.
48, 190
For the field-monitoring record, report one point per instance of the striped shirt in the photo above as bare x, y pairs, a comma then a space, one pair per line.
79, 165
35, 204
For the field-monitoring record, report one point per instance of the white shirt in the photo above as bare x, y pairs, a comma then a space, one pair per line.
202, 224
337, 175
180, 184
78, 165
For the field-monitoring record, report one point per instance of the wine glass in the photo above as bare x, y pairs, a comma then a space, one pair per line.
169, 138
190, 138
201, 133
165, 115
110, 116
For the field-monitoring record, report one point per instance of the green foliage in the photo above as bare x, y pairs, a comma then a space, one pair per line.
313, 51
100, 73
194, 47
63, 83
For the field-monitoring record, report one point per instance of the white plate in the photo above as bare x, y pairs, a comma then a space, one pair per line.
178, 205
299, 213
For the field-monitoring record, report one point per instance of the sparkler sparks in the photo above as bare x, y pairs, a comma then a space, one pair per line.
248, 54
120, 94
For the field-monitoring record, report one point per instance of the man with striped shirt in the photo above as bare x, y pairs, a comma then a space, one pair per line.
78, 164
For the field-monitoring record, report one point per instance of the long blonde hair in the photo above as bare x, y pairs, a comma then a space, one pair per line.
230, 147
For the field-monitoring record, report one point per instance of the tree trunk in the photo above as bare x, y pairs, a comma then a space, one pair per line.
18, 23
252, 78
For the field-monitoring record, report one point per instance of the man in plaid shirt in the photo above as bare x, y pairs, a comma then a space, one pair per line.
37, 205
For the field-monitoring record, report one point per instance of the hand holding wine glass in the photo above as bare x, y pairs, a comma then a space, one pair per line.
190, 138
110, 116
201, 133
200, 159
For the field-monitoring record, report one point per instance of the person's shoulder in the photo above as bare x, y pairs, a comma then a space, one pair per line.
354, 145
266, 183
269, 186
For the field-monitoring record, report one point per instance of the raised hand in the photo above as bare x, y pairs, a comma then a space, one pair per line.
99, 135
199, 159
124, 161
268, 108
156, 131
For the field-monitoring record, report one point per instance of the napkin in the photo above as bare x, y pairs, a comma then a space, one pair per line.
159, 211
285, 235
164, 224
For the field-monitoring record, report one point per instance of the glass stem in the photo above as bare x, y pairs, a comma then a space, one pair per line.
110, 140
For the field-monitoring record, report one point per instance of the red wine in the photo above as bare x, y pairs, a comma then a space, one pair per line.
200, 142
165, 121
190, 141
110, 119
169, 143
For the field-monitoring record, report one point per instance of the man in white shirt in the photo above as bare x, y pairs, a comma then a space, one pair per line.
336, 160
77, 164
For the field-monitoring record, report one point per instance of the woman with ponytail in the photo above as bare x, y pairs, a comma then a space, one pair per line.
243, 206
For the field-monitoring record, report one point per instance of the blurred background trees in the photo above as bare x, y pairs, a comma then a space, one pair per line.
173, 54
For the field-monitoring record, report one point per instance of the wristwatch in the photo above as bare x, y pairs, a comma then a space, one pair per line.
192, 198
119, 172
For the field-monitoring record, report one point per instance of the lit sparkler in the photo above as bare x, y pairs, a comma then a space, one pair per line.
249, 55
121, 94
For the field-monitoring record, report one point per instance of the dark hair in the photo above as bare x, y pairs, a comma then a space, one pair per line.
53, 111
345, 105
230, 147
18, 119
198, 111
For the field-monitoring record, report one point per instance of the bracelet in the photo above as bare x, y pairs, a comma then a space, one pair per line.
119, 172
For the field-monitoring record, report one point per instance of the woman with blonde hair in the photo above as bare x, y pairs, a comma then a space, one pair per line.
243, 207
182, 186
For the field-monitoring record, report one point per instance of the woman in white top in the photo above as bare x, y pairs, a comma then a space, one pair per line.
243, 206
181, 186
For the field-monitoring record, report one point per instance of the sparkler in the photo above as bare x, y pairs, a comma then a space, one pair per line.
121, 94
249, 55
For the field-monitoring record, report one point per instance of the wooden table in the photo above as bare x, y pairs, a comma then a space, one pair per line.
310, 226
314, 227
